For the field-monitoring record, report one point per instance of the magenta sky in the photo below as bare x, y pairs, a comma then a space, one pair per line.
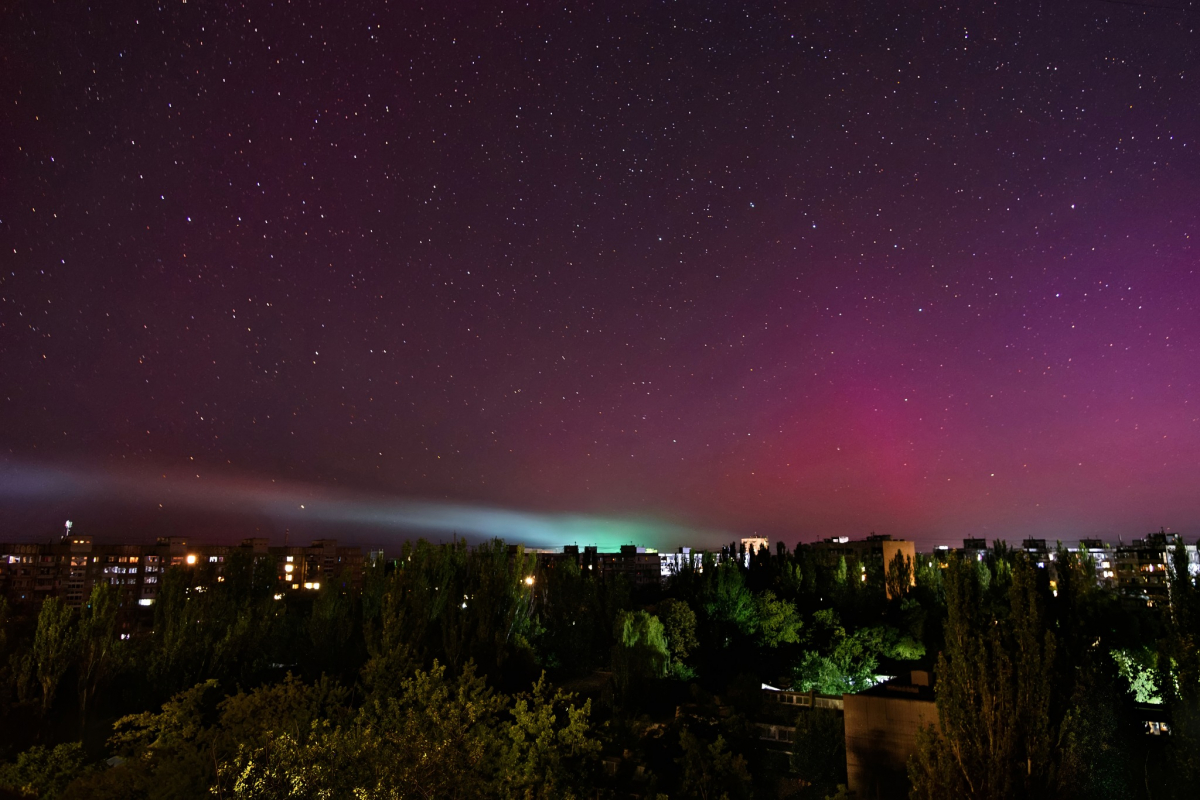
816, 273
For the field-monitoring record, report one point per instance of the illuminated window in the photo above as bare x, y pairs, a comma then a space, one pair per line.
146, 601
191, 559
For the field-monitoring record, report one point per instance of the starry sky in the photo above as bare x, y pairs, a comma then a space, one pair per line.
800, 270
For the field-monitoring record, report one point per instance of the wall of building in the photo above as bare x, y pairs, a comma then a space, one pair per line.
881, 735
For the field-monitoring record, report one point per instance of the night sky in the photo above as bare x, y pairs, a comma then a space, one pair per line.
801, 269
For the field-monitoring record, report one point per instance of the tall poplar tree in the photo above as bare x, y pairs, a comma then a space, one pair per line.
54, 647
97, 642
995, 735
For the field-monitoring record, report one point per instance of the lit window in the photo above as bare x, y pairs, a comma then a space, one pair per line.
146, 601
289, 559
191, 559
288, 567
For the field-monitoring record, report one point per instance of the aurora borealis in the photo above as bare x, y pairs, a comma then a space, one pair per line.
731, 269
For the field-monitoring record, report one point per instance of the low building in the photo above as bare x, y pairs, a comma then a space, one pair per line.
754, 544
672, 563
70, 568
641, 566
1103, 559
777, 719
878, 548
1142, 567
881, 734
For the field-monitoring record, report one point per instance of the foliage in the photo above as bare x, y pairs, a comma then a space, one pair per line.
711, 771
899, 576
204, 628
455, 604
330, 622
1179, 673
1096, 741
569, 612
97, 642
839, 662
679, 625
819, 752
1032, 689
641, 651
437, 738
54, 647
778, 623
44, 772
548, 747
994, 735
1137, 667
729, 604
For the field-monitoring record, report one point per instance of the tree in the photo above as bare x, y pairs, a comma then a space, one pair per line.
170, 753
679, 624
1179, 672
1097, 742
331, 622
641, 652
205, 628
44, 772
5, 612
778, 623
728, 603
995, 735
548, 747
569, 608
839, 662
55, 645
819, 752
97, 643
899, 576
453, 604
710, 771
199, 744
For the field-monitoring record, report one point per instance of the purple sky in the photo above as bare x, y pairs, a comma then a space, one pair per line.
901, 269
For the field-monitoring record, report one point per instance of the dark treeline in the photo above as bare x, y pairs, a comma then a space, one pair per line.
470, 672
